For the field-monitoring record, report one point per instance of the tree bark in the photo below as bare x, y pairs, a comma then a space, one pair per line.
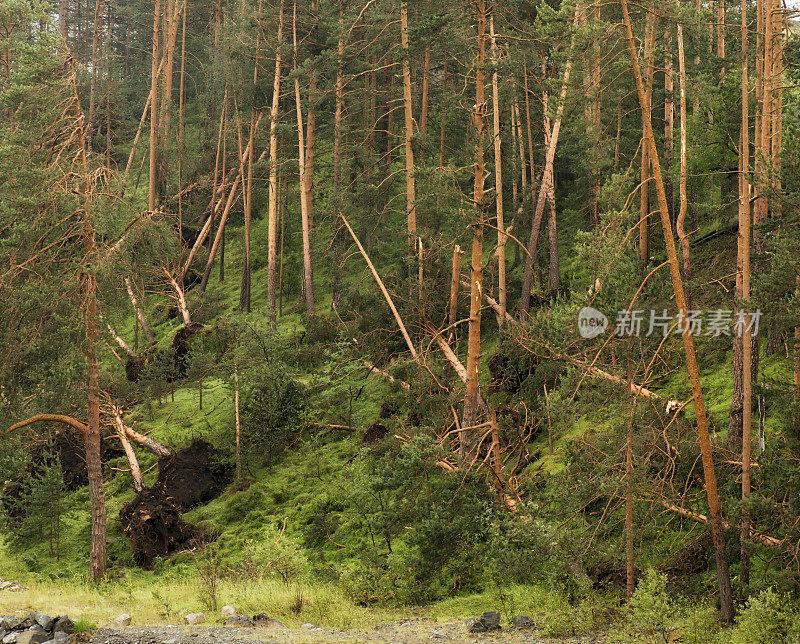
715, 510
467, 442
547, 178
308, 278
498, 177
454, 283
272, 217
152, 185
743, 295
411, 195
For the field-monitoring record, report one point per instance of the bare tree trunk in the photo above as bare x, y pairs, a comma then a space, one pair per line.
97, 37
443, 123
381, 285
94, 463
630, 570
554, 276
763, 162
152, 186
454, 282
411, 196
138, 312
743, 294
308, 279
136, 471
669, 118
498, 177
238, 422
339, 94
644, 189
469, 418
272, 230
244, 295
684, 200
715, 510
547, 179
63, 18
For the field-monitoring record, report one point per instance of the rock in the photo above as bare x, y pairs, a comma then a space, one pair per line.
11, 638
522, 621
491, 620
228, 611
123, 620
64, 625
239, 620
310, 627
439, 634
60, 637
262, 620
26, 623
195, 618
10, 623
34, 635
45, 621
6, 585
475, 625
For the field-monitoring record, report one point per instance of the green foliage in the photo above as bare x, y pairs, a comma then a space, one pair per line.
272, 411
653, 614
767, 617
37, 508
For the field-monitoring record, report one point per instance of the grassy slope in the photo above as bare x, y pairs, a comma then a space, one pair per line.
280, 499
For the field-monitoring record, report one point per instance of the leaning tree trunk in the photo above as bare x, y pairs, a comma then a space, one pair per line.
714, 506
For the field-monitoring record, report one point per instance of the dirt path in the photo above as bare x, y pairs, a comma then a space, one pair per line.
406, 632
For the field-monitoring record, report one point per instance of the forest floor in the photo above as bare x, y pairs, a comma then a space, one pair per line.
406, 631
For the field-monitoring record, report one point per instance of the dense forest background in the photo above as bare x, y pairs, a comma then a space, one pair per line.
297, 292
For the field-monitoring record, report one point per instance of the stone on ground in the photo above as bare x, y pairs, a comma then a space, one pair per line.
123, 620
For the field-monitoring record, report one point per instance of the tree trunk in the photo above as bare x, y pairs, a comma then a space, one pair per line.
244, 295
743, 295
272, 217
684, 201
152, 185
547, 178
63, 19
669, 117
238, 422
339, 95
411, 197
454, 282
715, 510
498, 177
308, 279
644, 189
467, 443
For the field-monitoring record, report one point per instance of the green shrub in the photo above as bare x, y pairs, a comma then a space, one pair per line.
653, 614
768, 618
273, 407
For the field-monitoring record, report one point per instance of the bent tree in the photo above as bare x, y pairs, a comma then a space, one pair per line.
712, 494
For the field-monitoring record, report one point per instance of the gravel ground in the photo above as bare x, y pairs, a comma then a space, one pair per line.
407, 632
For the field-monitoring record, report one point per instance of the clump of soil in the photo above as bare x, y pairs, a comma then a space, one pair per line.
152, 521
192, 476
155, 527
374, 432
